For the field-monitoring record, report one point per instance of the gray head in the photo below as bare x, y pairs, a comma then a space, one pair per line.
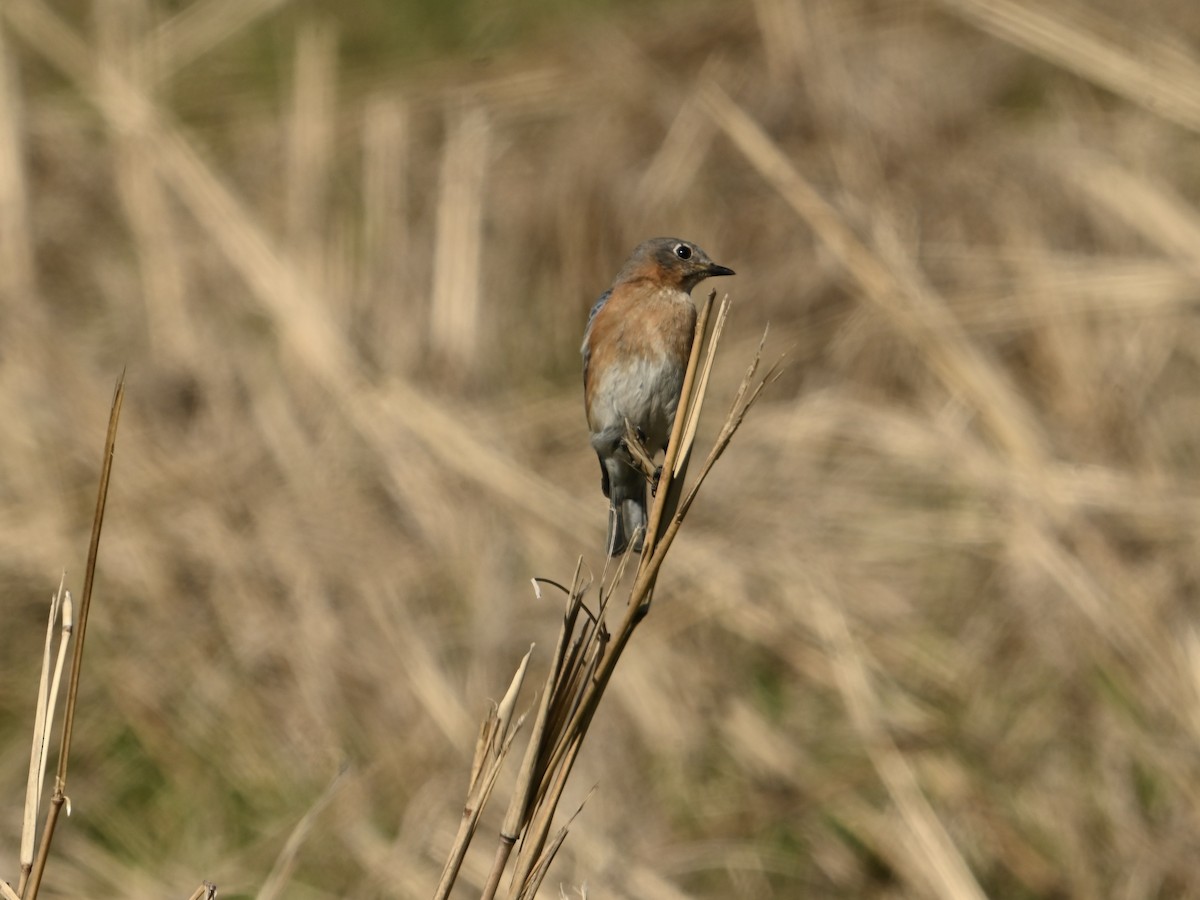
670, 261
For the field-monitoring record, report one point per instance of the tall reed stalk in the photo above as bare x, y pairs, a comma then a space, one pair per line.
588, 649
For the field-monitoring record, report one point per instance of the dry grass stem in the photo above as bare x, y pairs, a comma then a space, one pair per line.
687, 435
914, 308
586, 654
1151, 74
677, 451
58, 797
534, 880
527, 779
17, 270
747, 395
206, 891
455, 303
285, 862
491, 750
61, 610
642, 457
946, 873
349, 250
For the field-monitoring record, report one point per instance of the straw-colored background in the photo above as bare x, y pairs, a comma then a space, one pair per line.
932, 628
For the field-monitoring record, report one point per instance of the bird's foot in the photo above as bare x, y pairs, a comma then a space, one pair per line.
634, 443
654, 480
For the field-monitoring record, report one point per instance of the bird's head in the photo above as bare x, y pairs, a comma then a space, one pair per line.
671, 261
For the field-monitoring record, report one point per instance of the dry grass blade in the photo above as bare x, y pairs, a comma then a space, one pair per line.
693, 411
285, 863
17, 269
1166, 218
504, 711
206, 891
202, 26
542, 816
747, 394
637, 449
89, 578
677, 454
530, 888
491, 750
975, 220
1152, 75
945, 871
556, 751
658, 539
7, 892
514, 819
454, 327
61, 608
282, 290
913, 307
586, 655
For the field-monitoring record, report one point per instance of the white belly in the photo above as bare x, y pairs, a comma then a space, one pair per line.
646, 393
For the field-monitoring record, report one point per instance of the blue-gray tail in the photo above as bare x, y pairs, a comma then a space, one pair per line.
625, 522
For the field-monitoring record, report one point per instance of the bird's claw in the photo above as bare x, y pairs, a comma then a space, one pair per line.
654, 480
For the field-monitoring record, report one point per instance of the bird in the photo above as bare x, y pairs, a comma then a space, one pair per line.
635, 349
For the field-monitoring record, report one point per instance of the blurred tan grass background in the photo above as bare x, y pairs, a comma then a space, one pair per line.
931, 630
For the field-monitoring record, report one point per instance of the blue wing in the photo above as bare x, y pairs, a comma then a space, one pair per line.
596, 307
587, 332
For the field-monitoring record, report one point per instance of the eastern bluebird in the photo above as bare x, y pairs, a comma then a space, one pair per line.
635, 353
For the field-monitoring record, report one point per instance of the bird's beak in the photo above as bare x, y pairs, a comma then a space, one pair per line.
714, 269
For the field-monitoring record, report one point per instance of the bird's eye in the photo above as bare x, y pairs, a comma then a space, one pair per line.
683, 251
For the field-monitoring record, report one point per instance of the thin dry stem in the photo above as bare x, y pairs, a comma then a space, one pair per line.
60, 782
285, 863
48, 686
206, 891
914, 307
693, 411
504, 711
530, 887
674, 445
1151, 75
945, 871
585, 656
1075, 284
748, 393
637, 450
653, 551
599, 663
542, 818
490, 753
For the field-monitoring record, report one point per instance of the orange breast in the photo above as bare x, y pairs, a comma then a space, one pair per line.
640, 322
